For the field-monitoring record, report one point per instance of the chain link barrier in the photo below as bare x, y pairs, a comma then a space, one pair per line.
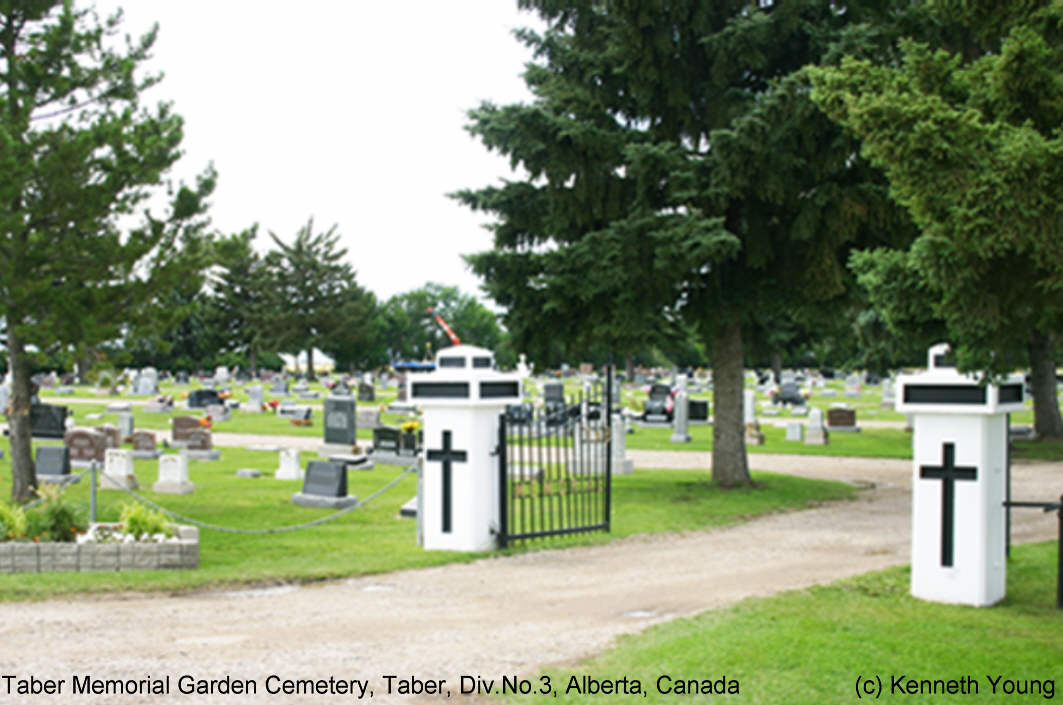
74, 478
268, 530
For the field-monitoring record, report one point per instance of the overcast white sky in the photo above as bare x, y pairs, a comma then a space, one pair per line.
348, 111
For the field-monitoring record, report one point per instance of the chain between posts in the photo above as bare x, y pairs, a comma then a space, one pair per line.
269, 530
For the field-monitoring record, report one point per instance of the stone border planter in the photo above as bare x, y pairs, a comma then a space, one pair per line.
27, 557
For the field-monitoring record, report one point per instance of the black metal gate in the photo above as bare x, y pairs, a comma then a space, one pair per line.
555, 469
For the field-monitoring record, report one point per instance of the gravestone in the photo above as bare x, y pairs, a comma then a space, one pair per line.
111, 434
118, 470
754, 436
53, 464
367, 417
146, 382
144, 446
181, 426
340, 421
621, 464
221, 374
795, 431
200, 445
256, 399
85, 447
47, 420
888, 399
181, 377
657, 404
325, 485
289, 466
279, 388
341, 389
842, 419
160, 405
201, 398
125, 426
366, 391
817, 434
698, 410
852, 387
680, 423
173, 475
218, 412
5, 396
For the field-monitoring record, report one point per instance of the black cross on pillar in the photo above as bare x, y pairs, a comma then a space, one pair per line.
447, 455
948, 473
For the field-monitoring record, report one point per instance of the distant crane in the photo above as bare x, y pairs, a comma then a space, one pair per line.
443, 324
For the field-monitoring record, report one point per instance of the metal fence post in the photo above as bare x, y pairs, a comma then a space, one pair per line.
92, 493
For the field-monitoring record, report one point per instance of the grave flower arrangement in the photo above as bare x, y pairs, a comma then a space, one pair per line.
136, 524
54, 519
206, 421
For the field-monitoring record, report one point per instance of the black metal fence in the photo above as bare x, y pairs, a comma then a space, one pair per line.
555, 469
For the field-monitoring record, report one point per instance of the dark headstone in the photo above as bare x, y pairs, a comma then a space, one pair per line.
47, 421
85, 446
387, 438
841, 419
325, 478
789, 393
698, 409
202, 398
53, 461
340, 420
554, 392
340, 389
181, 377
366, 392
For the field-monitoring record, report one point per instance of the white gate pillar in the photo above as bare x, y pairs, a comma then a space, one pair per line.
462, 400
959, 451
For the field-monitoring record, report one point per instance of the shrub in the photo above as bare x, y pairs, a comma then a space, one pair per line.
55, 519
12, 521
141, 521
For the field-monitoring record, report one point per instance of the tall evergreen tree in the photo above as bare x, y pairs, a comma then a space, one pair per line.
79, 156
678, 175
313, 293
242, 300
968, 136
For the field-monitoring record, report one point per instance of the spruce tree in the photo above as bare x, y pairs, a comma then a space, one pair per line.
678, 175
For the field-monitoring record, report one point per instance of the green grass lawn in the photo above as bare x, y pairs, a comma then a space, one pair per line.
810, 646
374, 539
868, 443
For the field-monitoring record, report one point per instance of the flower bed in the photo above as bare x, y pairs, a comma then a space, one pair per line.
114, 553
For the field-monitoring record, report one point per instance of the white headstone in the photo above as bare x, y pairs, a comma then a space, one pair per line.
620, 465
173, 475
118, 470
256, 398
795, 431
221, 374
125, 425
681, 415
817, 433
290, 467
749, 406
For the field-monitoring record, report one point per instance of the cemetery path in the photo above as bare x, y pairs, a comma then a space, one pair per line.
487, 618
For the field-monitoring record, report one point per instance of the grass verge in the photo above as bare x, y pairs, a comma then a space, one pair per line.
810, 646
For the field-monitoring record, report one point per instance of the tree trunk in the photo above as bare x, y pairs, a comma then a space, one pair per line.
776, 366
23, 471
1046, 417
629, 368
310, 363
729, 464
252, 362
